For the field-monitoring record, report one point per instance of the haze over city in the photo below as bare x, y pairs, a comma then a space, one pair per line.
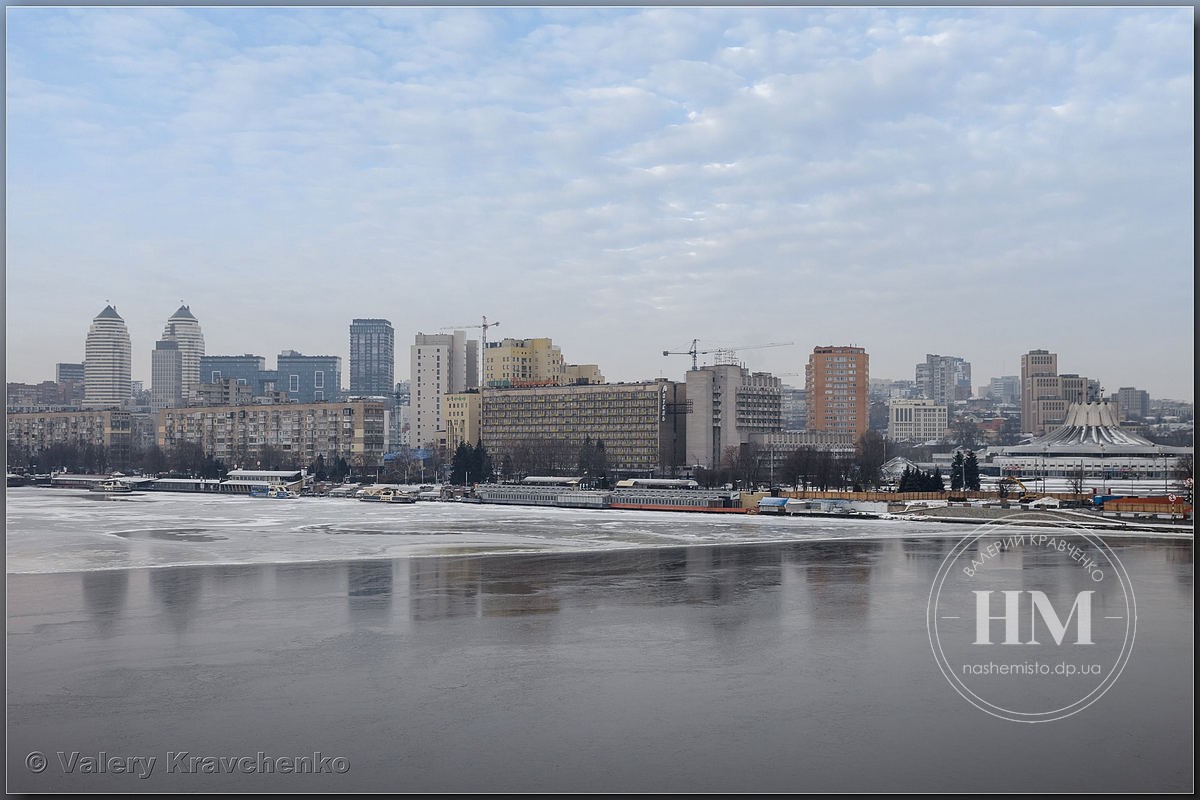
975, 182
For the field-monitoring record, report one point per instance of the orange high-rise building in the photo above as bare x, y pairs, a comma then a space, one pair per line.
836, 383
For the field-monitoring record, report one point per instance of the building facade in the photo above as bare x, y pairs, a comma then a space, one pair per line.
225, 392
582, 374
523, 362
302, 431
642, 425
442, 363
166, 375
944, 379
73, 373
461, 415
728, 404
793, 407
184, 329
917, 420
773, 449
107, 361
35, 432
1132, 403
1046, 395
372, 357
836, 383
248, 370
308, 379
1005, 390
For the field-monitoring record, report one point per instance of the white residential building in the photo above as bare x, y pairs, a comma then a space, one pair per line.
108, 362
442, 363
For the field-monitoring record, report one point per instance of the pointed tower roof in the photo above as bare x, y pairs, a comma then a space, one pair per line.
108, 313
183, 313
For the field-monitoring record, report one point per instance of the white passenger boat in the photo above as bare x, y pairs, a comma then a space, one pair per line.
111, 486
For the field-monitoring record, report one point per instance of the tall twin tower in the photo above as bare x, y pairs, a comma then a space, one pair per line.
175, 363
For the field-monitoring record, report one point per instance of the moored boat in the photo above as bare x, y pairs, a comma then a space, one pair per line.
386, 494
111, 486
276, 491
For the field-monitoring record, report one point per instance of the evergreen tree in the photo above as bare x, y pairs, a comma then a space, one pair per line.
971, 469
957, 472
461, 464
936, 484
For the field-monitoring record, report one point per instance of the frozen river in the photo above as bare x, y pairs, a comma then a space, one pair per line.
85, 530
447, 647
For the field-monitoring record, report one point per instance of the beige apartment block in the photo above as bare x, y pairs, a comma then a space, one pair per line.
35, 432
236, 434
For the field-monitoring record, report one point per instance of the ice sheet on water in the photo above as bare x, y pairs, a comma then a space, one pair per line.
58, 530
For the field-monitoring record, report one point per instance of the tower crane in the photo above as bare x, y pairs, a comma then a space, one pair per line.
724, 354
693, 352
483, 350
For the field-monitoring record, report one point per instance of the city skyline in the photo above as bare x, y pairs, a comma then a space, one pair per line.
706, 358
972, 182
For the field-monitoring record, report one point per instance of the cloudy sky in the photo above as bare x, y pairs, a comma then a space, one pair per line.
972, 182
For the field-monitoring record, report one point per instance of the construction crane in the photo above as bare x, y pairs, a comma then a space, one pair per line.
693, 352
482, 350
724, 354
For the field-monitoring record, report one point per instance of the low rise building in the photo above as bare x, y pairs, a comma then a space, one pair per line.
35, 432
302, 431
917, 420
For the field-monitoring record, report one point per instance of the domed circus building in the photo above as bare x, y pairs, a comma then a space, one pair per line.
1091, 449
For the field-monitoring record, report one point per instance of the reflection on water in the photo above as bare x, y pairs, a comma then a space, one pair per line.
369, 587
104, 593
710, 668
178, 589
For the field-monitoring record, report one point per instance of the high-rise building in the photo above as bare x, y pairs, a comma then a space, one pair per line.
166, 375
794, 407
1132, 403
1039, 383
372, 357
1005, 390
184, 328
729, 403
308, 379
1046, 395
944, 379
107, 361
442, 363
836, 384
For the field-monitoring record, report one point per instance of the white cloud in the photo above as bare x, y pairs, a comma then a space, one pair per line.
619, 179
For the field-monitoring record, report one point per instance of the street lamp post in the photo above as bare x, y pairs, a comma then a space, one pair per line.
1103, 473
1045, 451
